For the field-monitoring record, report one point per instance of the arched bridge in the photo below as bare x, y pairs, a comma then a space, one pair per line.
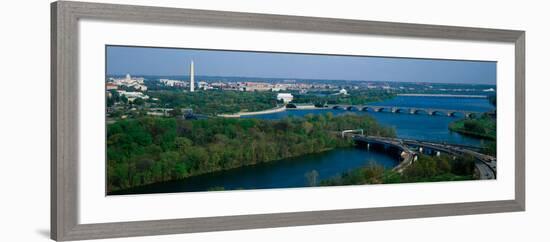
410, 110
409, 150
406, 155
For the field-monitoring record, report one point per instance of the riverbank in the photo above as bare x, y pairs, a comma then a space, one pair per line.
294, 172
306, 107
440, 95
473, 134
150, 187
239, 114
425, 169
150, 150
484, 127
273, 110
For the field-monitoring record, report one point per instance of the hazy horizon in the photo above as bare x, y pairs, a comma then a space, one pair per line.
152, 61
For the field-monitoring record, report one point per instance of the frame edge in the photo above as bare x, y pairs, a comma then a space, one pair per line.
64, 124
53, 122
520, 120
64, 121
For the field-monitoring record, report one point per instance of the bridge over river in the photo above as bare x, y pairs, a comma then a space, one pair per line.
409, 150
410, 110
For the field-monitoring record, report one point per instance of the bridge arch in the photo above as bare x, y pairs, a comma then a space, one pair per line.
470, 115
410, 110
402, 110
291, 105
383, 109
390, 146
438, 113
420, 111
457, 114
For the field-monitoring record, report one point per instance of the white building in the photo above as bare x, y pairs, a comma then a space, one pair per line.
172, 83
203, 85
111, 86
128, 81
165, 112
343, 92
285, 97
132, 95
140, 87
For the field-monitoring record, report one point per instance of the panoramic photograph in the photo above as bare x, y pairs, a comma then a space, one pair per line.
199, 120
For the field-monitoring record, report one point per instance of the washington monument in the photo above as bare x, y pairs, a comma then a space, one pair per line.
192, 78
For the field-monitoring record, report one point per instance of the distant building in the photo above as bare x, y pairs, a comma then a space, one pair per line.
279, 87
142, 88
163, 112
132, 95
256, 86
218, 85
111, 86
172, 83
203, 85
128, 81
343, 92
285, 97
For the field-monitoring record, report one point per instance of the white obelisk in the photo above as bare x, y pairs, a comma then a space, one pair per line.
192, 78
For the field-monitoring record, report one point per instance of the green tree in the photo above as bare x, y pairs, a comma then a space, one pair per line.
110, 102
124, 99
138, 101
145, 150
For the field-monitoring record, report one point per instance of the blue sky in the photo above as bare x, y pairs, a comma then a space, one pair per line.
168, 61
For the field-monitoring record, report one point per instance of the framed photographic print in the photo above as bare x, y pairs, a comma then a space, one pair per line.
169, 120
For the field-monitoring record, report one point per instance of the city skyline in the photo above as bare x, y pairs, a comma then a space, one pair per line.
175, 62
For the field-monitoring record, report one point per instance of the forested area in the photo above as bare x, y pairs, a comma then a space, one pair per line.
152, 149
483, 127
425, 169
215, 102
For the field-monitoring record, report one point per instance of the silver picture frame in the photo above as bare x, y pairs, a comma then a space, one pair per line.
65, 112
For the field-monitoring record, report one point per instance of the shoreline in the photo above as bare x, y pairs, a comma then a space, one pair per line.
440, 95
267, 111
273, 110
306, 107
453, 128
472, 134
119, 192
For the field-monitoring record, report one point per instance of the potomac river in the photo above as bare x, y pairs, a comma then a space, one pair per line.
291, 172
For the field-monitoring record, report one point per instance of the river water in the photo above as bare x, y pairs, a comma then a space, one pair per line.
285, 173
292, 172
418, 126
